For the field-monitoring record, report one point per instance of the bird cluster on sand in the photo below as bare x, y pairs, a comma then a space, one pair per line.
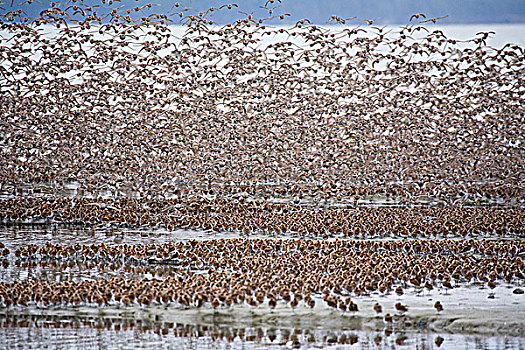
262, 217
111, 98
224, 272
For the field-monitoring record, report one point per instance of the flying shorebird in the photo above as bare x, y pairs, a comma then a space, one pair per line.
433, 20
416, 16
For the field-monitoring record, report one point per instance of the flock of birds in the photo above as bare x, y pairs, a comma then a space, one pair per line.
118, 100
269, 271
259, 128
262, 217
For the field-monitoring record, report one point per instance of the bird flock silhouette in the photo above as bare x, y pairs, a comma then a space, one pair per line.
110, 115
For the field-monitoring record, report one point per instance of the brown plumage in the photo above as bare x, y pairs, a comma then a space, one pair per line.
438, 306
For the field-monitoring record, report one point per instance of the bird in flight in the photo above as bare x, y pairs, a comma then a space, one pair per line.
416, 16
433, 20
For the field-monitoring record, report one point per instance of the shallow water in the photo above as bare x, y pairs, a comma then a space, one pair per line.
71, 332
19, 270
470, 318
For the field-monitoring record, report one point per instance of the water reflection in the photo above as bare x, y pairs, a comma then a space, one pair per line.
14, 268
87, 331
14, 237
58, 271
